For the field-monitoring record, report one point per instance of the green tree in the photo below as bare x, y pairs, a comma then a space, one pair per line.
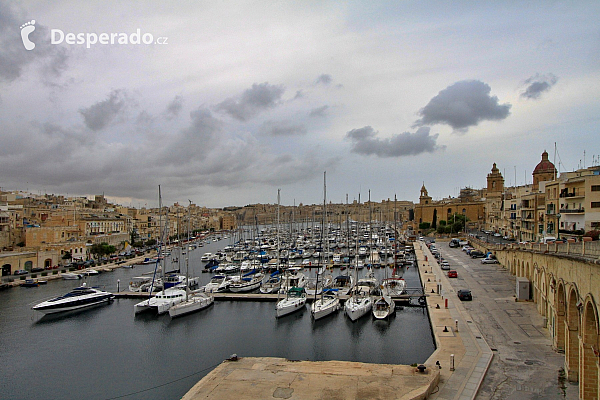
133, 235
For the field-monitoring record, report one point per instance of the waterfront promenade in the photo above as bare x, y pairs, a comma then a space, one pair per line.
498, 347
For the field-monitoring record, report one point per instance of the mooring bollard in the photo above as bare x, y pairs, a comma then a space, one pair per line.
451, 362
118, 285
456, 325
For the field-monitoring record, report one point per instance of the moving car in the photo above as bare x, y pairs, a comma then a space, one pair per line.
21, 272
444, 265
452, 274
465, 295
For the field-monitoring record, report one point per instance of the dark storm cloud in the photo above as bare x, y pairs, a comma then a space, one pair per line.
462, 105
258, 98
282, 128
99, 115
538, 84
365, 141
14, 58
324, 79
174, 107
318, 112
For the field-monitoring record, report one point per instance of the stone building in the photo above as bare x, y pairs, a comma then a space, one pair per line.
469, 203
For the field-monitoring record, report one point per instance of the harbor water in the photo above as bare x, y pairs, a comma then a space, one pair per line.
107, 353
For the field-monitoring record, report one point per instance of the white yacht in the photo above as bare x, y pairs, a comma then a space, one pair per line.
358, 305
248, 282
295, 300
395, 286
77, 298
272, 284
291, 278
161, 302
384, 307
194, 302
70, 276
326, 304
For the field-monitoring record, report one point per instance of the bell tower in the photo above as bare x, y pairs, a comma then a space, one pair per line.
495, 181
424, 198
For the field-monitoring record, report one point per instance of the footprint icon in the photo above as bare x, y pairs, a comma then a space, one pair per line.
26, 29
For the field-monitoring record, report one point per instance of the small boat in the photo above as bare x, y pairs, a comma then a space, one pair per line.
327, 304
193, 303
384, 307
249, 281
272, 284
89, 272
358, 305
80, 297
295, 300
70, 276
29, 283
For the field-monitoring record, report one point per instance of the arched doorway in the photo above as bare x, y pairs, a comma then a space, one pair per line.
28, 265
572, 337
6, 269
588, 382
47, 263
560, 321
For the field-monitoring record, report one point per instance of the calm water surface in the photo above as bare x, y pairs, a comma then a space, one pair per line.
106, 352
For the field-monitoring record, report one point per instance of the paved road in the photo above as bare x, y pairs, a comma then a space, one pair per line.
524, 365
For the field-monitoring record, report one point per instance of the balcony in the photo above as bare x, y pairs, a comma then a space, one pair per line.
572, 194
572, 211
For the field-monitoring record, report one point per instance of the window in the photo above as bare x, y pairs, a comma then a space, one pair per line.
595, 188
595, 204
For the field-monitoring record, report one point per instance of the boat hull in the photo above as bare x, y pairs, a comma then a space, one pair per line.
356, 309
75, 305
192, 305
286, 306
324, 307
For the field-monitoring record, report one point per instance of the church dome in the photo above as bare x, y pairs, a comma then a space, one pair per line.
544, 166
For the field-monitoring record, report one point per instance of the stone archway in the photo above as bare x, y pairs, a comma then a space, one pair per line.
47, 263
542, 305
536, 286
6, 269
572, 336
560, 321
589, 351
526, 272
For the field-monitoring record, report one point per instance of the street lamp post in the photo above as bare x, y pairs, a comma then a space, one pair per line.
557, 226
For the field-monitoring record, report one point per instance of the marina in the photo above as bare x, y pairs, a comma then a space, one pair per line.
102, 341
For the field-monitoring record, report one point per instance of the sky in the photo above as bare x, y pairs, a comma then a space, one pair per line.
230, 101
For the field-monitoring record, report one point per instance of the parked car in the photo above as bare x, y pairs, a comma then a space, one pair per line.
465, 294
452, 274
445, 266
37, 269
21, 272
489, 260
477, 254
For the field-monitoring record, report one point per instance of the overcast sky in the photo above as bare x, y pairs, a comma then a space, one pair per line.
248, 97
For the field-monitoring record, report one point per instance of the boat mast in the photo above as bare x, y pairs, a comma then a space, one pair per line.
159, 243
187, 258
278, 248
395, 235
